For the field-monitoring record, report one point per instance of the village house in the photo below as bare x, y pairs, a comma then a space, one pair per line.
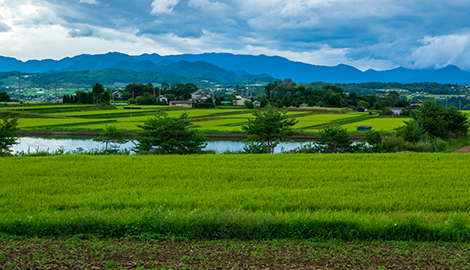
239, 101
397, 110
200, 95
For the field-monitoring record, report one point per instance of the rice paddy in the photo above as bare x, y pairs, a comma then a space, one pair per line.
422, 197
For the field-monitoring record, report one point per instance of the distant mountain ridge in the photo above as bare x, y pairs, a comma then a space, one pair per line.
227, 68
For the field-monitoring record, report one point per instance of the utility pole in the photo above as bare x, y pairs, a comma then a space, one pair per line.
56, 99
19, 92
110, 95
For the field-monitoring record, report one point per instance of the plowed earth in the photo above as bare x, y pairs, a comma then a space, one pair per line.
463, 150
230, 254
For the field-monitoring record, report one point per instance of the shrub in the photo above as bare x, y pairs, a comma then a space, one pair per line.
396, 144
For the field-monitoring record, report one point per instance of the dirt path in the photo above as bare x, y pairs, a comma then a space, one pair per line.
463, 150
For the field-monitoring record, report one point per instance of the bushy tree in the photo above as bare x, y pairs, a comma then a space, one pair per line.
363, 104
374, 139
334, 139
270, 127
440, 122
8, 133
411, 131
165, 135
98, 91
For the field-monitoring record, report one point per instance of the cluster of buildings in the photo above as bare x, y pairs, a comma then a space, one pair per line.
201, 95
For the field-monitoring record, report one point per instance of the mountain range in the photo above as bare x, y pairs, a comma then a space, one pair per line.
230, 68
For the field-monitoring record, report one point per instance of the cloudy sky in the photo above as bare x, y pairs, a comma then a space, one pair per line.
379, 34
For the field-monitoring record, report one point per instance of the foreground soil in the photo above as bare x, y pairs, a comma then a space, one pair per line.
230, 254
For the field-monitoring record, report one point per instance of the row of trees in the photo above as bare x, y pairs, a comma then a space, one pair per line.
286, 93
96, 96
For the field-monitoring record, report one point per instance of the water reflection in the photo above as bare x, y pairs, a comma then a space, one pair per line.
52, 144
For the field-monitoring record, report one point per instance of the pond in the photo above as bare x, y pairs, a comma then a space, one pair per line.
32, 144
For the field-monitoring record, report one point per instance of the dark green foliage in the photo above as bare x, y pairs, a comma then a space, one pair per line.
334, 139
146, 99
394, 143
374, 139
411, 132
106, 98
8, 133
81, 97
98, 91
270, 127
4, 97
111, 135
456, 123
89, 98
165, 135
440, 122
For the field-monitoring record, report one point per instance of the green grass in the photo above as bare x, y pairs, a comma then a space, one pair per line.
420, 197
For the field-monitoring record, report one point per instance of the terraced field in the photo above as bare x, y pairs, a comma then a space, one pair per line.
72, 117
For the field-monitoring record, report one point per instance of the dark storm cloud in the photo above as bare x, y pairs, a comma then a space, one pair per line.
389, 30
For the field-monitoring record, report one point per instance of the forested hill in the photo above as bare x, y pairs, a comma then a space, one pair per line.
230, 68
111, 77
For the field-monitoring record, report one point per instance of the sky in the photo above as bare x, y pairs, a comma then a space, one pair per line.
378, 34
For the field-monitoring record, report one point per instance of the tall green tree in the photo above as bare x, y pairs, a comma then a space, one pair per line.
8, 133
166, 135
334, 139
270, 127
98, 91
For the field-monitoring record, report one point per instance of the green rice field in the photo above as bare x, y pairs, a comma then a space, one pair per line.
419, 197
378, 124
43, 122
73, 117
322, 119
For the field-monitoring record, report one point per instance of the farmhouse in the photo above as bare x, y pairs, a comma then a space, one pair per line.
397, 110
200, 95
239, 101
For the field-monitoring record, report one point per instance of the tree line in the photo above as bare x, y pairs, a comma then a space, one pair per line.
286, 93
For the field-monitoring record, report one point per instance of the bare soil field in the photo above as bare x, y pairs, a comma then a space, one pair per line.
229, 254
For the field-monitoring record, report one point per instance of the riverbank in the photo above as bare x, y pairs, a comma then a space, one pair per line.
132, 134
